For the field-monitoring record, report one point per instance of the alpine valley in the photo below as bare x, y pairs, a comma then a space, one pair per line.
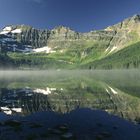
116, 47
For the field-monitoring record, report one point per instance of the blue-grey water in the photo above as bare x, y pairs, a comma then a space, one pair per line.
69, 97
27, 92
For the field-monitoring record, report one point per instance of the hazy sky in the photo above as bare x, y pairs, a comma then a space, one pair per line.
80, 15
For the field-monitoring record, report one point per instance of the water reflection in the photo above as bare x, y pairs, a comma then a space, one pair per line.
63, 92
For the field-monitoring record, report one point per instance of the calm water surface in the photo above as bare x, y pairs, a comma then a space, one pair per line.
26, 92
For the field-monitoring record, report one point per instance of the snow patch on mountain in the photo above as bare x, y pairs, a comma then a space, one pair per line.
4, 32
8, 29
107, 90
17, 31
46, 91
110, 50
6, 110
107, 49
18, 110
113, 49
45, 49
113, 90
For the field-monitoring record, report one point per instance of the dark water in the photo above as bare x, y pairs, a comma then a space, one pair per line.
26, 92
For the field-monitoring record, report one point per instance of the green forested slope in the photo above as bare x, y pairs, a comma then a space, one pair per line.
128, 57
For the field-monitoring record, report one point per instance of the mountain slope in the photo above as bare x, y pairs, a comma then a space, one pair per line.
128, 57
62, 47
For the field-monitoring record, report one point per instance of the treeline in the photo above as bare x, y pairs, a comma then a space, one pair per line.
40, 61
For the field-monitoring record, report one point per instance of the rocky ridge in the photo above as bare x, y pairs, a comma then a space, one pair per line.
79, 48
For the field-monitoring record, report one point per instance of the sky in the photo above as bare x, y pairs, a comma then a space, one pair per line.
79, 15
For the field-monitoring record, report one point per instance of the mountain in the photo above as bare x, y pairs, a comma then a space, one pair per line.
116, 46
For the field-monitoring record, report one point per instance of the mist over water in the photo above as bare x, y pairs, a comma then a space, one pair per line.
50, 73
111, 76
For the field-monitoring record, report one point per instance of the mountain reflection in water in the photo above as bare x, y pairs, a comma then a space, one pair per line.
116, 92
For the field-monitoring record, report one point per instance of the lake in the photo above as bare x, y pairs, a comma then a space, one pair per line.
27, 93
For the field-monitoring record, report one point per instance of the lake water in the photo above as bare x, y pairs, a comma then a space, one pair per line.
26, 92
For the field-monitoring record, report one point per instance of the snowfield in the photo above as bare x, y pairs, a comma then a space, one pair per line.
45, 49
8, 29
46, 91
16, 31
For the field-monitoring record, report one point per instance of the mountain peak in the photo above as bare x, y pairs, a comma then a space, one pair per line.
132, 20
137, 16
62, 29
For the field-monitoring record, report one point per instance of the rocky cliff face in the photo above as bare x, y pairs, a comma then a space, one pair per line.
126, 33
116, 36
78, 47
24, 35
